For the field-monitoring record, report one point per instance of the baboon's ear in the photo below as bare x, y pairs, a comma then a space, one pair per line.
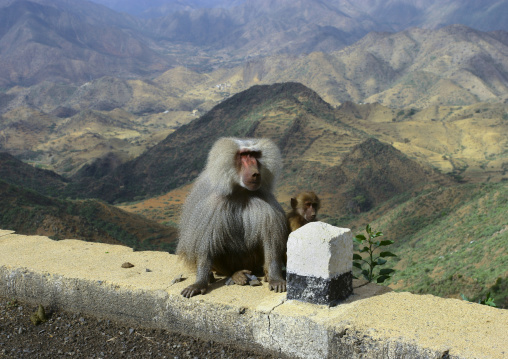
294, 203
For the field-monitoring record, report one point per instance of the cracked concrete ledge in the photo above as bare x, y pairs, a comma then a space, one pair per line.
373, 323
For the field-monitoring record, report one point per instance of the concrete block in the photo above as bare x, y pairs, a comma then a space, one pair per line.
320, 262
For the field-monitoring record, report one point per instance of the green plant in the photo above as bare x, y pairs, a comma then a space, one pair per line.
368, 246
488, 300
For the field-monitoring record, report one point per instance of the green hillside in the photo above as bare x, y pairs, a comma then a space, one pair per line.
449, 241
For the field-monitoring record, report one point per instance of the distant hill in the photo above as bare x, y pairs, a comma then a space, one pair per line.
72, 41
179, 158
370, 174
16, 172
454, 65
397, 14
267, 27
66, 144
28, 212
28, 205
157, 8
485, 15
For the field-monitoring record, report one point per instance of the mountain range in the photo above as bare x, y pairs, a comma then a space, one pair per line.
455, 65
63, 126
393, 14
70, 41
292, 115
77, 40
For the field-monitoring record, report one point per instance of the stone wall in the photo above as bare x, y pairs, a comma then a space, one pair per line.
372, 323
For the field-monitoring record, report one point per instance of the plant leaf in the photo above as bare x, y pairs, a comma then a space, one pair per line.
385, 243
357, 257
386, 271
490, 302
382, 278
357, 265
380, 261
387, 254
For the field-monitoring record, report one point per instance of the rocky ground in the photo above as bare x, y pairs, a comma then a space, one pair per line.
76, 335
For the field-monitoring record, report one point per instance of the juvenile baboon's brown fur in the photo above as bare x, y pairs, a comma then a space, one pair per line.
231, 221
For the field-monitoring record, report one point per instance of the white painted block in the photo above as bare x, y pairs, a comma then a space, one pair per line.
320, 250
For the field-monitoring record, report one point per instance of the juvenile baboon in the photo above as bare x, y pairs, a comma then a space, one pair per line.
231, 222
304, 209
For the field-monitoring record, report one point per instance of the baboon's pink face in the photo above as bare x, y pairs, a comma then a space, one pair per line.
248, 168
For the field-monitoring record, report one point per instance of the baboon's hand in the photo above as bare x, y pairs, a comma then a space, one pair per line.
194, 289
240, 278
278, 285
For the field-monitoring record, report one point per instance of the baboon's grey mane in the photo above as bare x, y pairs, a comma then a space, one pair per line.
221, 174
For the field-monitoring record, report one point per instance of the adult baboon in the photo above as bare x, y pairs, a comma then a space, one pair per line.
304, 209
231, 222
